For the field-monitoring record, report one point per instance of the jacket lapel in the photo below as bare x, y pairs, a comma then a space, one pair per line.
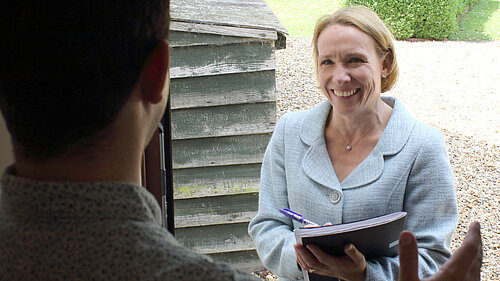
393, 139
316, 163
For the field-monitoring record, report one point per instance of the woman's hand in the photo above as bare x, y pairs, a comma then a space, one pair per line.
350, 268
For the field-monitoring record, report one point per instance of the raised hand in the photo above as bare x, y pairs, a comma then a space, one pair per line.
464, 265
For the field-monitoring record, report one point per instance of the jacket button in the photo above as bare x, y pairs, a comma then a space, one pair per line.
335, 197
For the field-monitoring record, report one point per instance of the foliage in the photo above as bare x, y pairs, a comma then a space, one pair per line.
481, 22
431, 19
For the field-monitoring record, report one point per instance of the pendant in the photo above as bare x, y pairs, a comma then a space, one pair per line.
349, 148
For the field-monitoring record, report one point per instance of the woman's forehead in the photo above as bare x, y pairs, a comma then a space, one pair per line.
345, 39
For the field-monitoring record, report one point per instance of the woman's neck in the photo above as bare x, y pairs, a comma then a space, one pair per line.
358, 124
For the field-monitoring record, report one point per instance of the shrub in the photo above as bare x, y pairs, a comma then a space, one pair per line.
431, 19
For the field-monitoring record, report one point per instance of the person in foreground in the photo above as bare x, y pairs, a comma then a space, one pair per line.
83, 85
464, 265
358, 155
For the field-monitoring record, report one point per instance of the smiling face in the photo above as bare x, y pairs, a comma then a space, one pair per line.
349, 69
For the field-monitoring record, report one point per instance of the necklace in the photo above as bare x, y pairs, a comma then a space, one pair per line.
349, 146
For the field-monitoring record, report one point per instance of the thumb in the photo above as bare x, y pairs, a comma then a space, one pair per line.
408, 257
356, 256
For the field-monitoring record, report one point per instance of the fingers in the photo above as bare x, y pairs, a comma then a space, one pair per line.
472, 247
305, 259
350, 267
475, 232
408, 257
313, 225
356, 256
298, 255
465, 264
318, 253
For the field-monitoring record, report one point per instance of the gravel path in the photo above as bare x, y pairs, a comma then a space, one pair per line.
453, 86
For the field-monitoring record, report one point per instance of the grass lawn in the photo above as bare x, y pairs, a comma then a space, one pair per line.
482, 22
299, 16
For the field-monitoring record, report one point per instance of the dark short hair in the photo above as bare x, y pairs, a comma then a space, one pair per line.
67, 67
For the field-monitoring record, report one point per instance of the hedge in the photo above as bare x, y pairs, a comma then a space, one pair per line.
431, 19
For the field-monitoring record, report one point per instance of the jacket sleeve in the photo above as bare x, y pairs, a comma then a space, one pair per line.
271, 231
431, 205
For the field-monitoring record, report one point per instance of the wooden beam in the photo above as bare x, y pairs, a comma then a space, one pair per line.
216, 29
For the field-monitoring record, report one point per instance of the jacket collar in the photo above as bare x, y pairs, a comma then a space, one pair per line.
317, 164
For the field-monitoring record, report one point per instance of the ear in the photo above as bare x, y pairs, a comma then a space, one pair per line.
155, 73
386, 63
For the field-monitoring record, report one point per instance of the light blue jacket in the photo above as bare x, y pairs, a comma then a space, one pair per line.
408, 170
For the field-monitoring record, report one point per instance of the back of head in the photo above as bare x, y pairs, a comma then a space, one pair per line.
67, 67
368, 22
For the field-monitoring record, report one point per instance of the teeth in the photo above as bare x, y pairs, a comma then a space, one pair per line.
345, 93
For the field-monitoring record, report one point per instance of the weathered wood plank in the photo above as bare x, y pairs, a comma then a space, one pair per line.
226, 89
213, 210
213, 60
217, 180
237, 34
219, 151
242, 13
216, 238
247, 261
217, 121
193, 38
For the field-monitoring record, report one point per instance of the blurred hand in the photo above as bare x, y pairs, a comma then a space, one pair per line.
350, 268
464, 265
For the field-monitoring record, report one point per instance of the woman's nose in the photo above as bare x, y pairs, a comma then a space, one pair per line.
341, 75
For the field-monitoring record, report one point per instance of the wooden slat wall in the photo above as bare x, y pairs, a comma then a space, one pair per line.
215, 210
239, 88
216, 180
214, 60
223, 114
206, 152
217, 226
220, 121
211, 239
244, 260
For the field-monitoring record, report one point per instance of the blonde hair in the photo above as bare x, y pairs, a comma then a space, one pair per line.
367, 21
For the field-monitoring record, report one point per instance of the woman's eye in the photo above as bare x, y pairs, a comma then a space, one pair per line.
326, 62
355, 60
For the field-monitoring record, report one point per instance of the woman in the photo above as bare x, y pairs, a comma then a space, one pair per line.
356, 156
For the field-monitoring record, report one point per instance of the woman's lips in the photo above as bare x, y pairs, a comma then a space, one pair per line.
345, 93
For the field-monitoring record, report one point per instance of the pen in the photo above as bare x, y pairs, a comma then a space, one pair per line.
297, 217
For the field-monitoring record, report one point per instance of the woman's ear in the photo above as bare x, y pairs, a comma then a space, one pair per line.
386, 63
154, 76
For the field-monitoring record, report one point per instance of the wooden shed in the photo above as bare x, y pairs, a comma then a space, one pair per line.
223, 113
